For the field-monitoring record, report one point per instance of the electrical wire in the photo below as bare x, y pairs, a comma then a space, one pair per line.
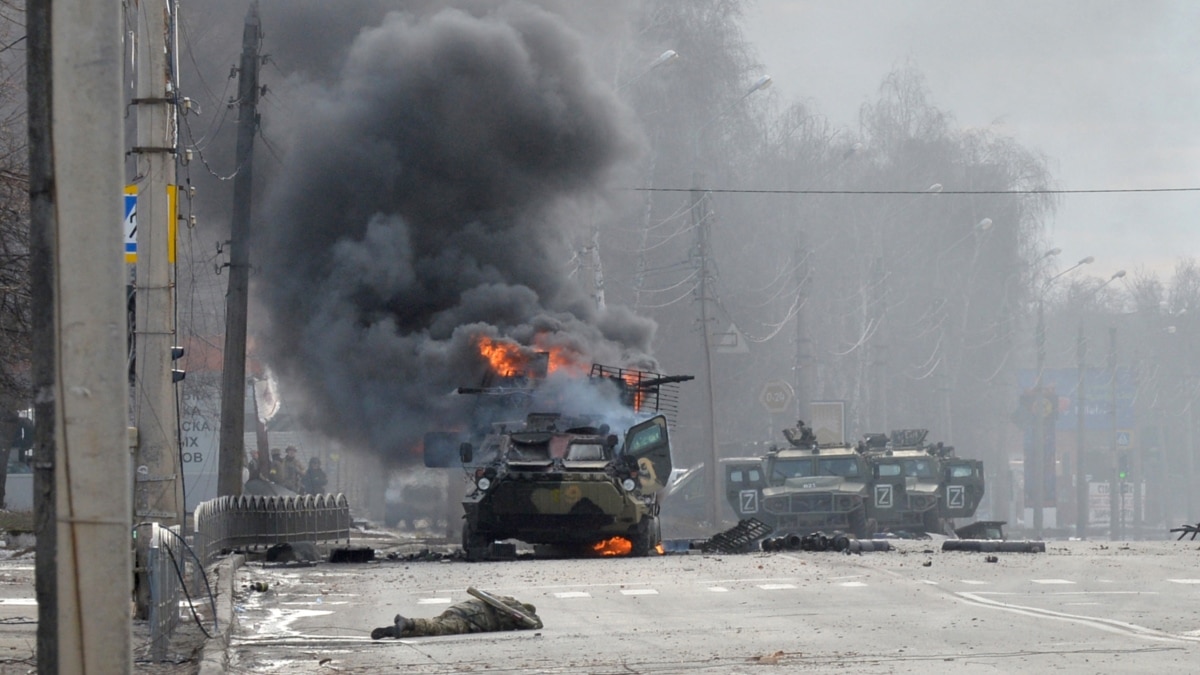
753, 191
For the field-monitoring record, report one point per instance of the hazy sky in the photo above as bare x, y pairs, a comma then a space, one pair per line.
1109, 91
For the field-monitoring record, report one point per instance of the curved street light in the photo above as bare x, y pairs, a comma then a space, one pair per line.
1081, 485
1040, 414
663, 59
701, 222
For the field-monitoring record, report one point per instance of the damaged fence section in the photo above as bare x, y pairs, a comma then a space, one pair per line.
229, 522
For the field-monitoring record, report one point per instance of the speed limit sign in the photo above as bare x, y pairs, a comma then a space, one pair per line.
776, 396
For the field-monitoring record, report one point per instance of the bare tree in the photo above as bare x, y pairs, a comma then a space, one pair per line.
14, 234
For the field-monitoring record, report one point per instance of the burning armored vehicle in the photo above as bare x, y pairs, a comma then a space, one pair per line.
567, 482
547, 472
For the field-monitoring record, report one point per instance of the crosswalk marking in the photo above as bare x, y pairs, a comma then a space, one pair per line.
718, 589
1184, 581
433, 601
639, 591
573, 594
776, 587
928, 581
1052, 581
974, 582
852, 584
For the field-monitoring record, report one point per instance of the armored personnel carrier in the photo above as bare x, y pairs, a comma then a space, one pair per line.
567, 482
584, 482
917, 487
803, 488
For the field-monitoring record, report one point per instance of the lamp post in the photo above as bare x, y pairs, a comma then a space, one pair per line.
1081, 483
700, 221
589, 255
663, 59
1041, 412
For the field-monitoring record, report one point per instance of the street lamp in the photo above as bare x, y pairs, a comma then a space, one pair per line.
701, 222
663, 59
1081, 484
1038, 471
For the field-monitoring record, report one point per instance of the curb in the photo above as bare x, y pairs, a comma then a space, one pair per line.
215, 657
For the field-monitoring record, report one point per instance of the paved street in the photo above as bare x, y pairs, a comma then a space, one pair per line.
1082, 607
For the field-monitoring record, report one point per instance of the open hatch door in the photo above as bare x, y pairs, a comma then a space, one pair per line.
648, 444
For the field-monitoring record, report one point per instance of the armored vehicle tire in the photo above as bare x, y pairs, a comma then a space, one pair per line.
647, 538
475, 546
931, 522
858, 524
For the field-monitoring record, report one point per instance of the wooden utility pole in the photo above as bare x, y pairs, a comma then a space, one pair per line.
233, 374
82, 500
158, 477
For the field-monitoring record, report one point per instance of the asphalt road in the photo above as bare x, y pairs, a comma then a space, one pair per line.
1081, 607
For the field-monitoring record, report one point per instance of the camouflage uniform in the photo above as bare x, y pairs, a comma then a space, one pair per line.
469, 616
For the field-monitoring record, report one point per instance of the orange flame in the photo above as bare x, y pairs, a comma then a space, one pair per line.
613, 547
561, 357
505, 357
658, 548
633, 381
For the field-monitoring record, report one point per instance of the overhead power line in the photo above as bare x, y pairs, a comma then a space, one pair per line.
745, 191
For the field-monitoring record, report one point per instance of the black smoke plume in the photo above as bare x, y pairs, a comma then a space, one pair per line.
426, 199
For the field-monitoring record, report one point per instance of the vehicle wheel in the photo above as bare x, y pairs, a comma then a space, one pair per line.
931, 522
648, 537
872, 528
475, 546
858, 524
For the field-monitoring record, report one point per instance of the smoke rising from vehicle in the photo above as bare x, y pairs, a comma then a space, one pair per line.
426, 200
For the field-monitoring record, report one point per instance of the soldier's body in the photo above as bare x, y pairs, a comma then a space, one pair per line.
469, 616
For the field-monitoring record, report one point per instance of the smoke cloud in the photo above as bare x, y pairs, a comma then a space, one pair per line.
426, 199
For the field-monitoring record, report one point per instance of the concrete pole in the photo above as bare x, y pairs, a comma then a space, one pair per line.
158, 492
1116, 519
76, 112
1039, 426
233, 374
1081, 483
700, 221
805, 375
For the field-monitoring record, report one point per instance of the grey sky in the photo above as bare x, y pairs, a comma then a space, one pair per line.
1109, 91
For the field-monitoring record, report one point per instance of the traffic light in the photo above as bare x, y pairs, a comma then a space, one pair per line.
176, 374
1122, 465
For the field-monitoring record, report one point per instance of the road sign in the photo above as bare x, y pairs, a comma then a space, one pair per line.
130, 226
1124, 438
776, 396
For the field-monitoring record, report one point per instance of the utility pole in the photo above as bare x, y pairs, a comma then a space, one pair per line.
700, 221
804, 357
1115, 502
158, 478
1038, 474
878, 298
233, 375
82, 502
1081, 482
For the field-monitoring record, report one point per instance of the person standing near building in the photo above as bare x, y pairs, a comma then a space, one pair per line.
293, 470
314, 478
275, 472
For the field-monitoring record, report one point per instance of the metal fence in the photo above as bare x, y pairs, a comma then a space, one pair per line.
227, 523
165, 572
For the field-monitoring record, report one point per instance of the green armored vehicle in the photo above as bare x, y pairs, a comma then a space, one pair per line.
569, 483
804, 488
918, 487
